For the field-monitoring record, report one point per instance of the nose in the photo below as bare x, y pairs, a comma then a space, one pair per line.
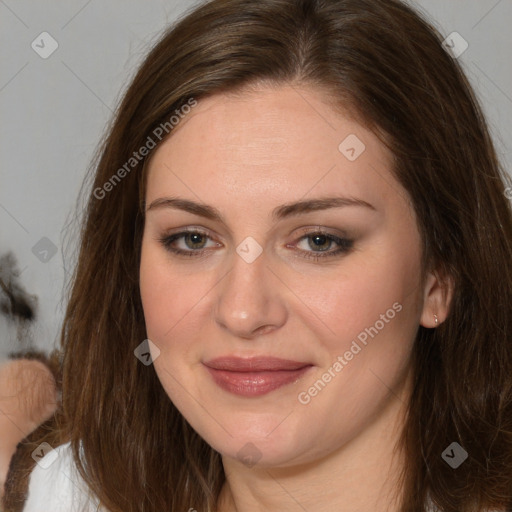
250, 299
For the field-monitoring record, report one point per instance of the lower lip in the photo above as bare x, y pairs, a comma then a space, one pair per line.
255, 383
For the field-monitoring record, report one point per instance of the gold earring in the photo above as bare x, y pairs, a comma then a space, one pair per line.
435, 319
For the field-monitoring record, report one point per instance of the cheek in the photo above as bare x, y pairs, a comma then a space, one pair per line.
357, 296
169, 296
168, 300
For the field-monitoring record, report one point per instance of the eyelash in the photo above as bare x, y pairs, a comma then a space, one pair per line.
345, 244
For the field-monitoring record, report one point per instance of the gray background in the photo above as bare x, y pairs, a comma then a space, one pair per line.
54, 112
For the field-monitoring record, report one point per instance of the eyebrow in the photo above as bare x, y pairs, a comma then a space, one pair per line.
279, 213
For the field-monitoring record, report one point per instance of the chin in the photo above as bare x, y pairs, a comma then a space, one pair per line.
267, 443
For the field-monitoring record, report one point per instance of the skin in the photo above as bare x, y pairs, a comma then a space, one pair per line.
28, 397
245, 155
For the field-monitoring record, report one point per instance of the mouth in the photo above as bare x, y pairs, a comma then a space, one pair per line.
254, 376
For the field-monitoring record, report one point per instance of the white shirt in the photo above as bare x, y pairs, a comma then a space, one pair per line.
55, 484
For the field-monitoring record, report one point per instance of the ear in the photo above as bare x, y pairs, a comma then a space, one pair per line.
437, 297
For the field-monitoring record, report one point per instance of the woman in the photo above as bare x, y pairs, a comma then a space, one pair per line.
294, 287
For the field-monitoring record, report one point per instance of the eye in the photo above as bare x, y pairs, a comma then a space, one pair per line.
193, 242
320, 242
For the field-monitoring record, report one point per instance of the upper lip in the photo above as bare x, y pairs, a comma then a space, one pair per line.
254, 364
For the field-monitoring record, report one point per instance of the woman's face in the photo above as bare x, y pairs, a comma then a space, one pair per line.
302, 247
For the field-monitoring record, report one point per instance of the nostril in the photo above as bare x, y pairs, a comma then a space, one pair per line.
264, 329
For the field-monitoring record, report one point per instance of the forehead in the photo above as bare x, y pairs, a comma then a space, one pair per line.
273, 142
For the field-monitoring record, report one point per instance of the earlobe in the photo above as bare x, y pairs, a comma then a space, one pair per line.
437, 297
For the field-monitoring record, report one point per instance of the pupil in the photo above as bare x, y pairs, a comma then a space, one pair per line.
195, 238
322, 240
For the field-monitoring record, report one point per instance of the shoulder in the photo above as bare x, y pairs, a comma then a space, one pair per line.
55, 483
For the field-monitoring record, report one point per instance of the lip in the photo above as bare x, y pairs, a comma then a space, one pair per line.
254, 376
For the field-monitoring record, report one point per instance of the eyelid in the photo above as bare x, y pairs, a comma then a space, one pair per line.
186, 230
313, 229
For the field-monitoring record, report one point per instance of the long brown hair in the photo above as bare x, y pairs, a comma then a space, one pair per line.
383, 61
